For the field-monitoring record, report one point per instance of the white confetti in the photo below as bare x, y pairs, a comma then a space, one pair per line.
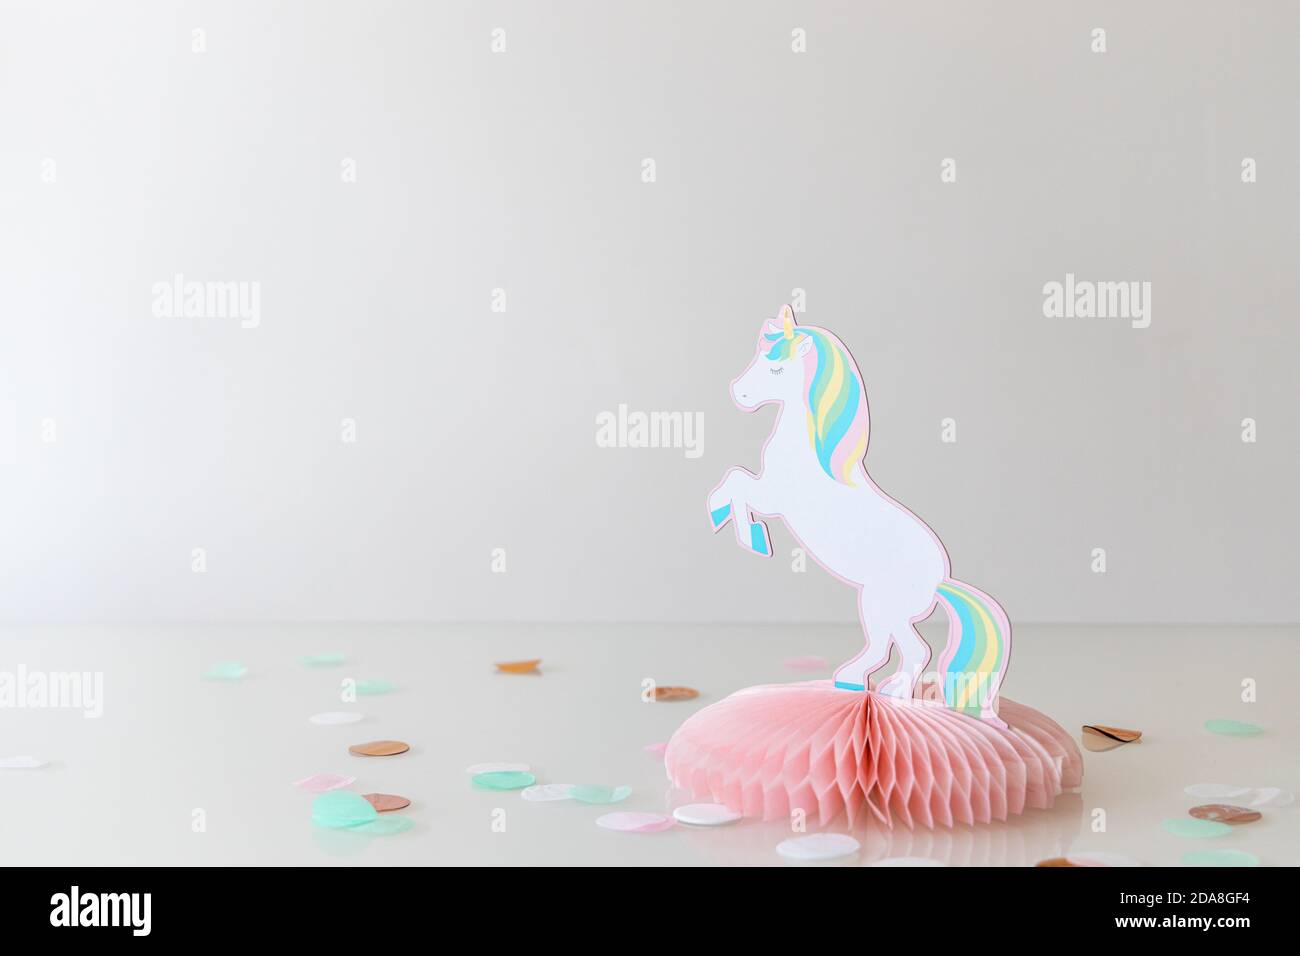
1214, 791
630, 822
546, 792
705, 814
1264, 798
818, 846
21, 763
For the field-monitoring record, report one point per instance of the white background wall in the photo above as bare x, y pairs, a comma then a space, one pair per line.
522, 170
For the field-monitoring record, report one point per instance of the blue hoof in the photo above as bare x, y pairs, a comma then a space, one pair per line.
842, 685
758, 540
720, 516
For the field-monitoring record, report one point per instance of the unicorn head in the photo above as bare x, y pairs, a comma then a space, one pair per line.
810, 366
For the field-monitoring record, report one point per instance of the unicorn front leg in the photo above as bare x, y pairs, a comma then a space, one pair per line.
734, 500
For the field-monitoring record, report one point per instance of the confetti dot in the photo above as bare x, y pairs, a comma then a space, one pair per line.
1214, 791
502, 781
518, 667
1115, 733
818, 846
595, 793
1224, 813
1233, 728
226, 670
546, 792
323, 660
386, 802
23, 762
635, 822
379, 748
376, 686
1195, 829
320, 782
477, 768
1220, 858
705, 814
809, 663
1268, 798
676, 693
1100, 738
342, 808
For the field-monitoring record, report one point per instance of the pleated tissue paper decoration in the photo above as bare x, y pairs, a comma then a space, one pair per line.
765, 751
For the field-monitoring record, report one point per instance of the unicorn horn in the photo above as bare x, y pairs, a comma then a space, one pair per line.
787, 318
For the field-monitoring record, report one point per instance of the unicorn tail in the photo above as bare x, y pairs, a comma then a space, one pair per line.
979, 644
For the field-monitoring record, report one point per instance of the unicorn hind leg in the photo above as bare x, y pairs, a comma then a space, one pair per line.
914, 654
876, 629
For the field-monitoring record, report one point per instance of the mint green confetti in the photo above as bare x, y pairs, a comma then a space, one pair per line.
342, 808
323, 660
503, 780
595, 793
1233, 728
386, 825
376, 686
1196, 829
1220, 858
226, 670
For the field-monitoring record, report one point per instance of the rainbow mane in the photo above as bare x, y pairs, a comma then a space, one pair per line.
836, 402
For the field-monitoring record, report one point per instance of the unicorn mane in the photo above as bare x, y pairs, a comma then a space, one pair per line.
835, 400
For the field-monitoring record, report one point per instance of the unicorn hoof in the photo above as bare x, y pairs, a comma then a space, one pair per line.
845, 685
719, 516
896, 685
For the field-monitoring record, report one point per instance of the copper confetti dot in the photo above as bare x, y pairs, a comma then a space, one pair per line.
1099, 738
386, 802
1114, 733
518, 667
676, 693
1225, 813
379, 748
1056, 861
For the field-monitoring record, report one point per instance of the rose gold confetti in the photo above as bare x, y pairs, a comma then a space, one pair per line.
1099, 738
518, 667
1056, 861
676, 693
379, 748
387, 802
1115, 733
1225, 813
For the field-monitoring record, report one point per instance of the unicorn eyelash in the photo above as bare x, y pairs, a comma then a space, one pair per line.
776, 371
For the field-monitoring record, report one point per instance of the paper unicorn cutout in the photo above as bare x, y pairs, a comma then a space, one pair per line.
814, 479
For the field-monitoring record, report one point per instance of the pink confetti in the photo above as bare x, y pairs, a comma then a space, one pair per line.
320, 782
629, 822
810, 663
656, 749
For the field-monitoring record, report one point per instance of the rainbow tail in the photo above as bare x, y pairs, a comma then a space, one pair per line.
979, 644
